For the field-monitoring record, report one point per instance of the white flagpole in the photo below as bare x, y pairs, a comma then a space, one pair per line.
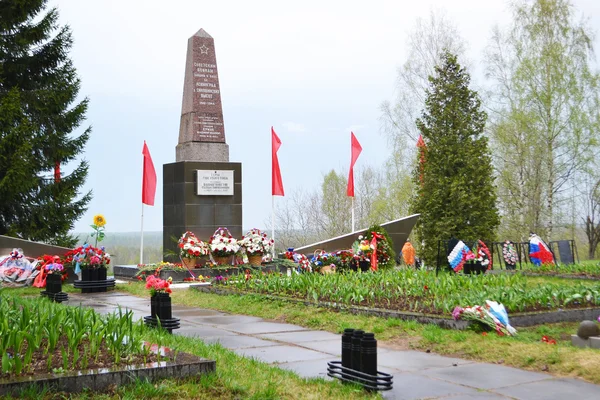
273, 223
352, 214
142, 238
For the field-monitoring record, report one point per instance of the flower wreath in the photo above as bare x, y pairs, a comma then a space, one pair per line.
509, 253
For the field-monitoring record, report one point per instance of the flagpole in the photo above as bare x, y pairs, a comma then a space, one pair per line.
273, 223
352, 214
142, 238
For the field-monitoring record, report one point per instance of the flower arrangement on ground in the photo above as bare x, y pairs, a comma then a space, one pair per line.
300, 259
191, 247
480, 254
323, 262
255, 242
345, 259
87, 256
378, 238
491, 316
222, 244
154, 269
157, 285
362, 249
509, 253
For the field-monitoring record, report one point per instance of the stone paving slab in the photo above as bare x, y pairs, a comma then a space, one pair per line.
194, 312
485, 376
555, 389
302, 336
410, 360
203, 332
309, 369
225, 319
280, 354
411, 386
332, 347
263, 327
239, 341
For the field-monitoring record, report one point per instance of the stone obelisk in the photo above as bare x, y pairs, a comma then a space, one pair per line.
202, 190
201, 133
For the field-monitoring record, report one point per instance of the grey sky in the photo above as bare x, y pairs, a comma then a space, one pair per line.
313, 69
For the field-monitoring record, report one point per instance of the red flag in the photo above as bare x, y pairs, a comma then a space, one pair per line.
149, 179
356, 149
277, 184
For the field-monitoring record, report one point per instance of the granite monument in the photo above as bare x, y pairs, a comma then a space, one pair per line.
202, 190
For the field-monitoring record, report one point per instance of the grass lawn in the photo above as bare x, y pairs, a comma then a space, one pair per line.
526, 350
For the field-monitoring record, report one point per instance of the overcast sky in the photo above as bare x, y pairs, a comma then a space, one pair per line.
315, 70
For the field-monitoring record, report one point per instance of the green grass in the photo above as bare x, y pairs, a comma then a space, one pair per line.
526, 350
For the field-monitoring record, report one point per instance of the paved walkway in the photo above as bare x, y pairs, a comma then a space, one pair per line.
417, 375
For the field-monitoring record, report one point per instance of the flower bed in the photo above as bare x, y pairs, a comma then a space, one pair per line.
421, 291
41, 337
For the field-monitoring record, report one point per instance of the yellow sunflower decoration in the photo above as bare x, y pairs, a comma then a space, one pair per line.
99, 220
98, 227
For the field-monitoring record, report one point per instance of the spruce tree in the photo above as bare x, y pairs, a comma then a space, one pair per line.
456, 196
38, 116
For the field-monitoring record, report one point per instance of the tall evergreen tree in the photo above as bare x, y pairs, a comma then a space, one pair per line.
456, 196
38, 114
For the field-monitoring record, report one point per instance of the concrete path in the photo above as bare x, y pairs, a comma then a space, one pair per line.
417, 375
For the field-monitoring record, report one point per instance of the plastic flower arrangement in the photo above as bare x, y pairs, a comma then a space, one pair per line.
54, 268
362, 249
345, 258
87, 256
157, 285
492, 315
255, 242
300, 259
509, 253
191, 247
480, 254
222, 244
323, 261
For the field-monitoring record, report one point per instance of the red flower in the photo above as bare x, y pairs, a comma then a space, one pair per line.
426, 287
483, 333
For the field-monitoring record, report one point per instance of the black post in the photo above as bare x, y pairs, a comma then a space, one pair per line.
347, 348
368, 350
355, 352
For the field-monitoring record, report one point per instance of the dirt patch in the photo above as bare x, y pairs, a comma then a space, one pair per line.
401, 343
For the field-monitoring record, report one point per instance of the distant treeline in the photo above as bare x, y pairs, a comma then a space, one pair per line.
124, 247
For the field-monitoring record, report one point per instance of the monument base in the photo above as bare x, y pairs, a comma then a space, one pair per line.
184, 210
202, 151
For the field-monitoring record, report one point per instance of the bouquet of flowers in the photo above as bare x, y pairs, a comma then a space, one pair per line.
157, 285
362, 249
300, 259
492, 315
323, 262
54, 268
222, 244
191, 247
345, 259
255, 242
87, 256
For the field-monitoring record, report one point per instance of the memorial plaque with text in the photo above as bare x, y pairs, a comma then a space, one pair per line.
202, 112
215, 183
